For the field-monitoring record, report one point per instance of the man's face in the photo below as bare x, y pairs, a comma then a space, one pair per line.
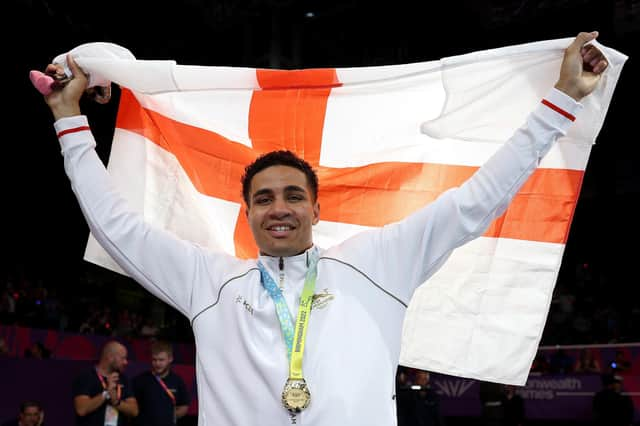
30, 416
119, 360
160, 363
282, 212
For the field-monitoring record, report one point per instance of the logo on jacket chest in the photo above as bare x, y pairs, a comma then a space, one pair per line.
322, 300
242, 301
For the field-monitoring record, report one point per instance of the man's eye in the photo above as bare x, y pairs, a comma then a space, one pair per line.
262, 200
296, 197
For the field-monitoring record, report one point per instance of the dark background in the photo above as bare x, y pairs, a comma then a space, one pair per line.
44, 234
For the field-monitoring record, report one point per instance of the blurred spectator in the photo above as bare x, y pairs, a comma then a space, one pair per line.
492, 400
587, 363
561, 362
55, 316
581, 328
124, 326
610, 406
620, 363
418, 403
4, 349
561, 310
31, 414
88, 325
149, 329
37, 351
7, 306
514, 414
105, 322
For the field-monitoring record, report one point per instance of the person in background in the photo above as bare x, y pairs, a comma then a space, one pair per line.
102, 395
620, 363
493, 404
561, 362
610, 406
31, 414
587, 363
37, 351
426, 401
4, 348
161, 394
514, 412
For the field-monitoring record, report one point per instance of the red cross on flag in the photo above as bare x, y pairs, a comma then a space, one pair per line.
384, 140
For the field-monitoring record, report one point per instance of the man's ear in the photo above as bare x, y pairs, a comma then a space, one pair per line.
316, 213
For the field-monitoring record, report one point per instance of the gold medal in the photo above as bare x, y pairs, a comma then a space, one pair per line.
296, 396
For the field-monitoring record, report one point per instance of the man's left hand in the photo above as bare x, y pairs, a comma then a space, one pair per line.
582, 67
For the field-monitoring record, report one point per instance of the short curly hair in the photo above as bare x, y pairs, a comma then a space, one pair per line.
278, 158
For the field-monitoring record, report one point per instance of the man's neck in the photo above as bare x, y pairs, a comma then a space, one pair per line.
165, 374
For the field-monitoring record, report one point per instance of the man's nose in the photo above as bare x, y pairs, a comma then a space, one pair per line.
279, 207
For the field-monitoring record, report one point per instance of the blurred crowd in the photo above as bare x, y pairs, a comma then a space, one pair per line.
104, 303
96, 303
584, 310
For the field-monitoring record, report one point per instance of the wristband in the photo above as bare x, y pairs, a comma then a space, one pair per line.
106, 395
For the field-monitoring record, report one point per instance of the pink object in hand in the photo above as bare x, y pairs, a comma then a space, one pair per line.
44, 83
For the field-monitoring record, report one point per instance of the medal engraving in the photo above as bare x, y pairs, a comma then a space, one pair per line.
296, 396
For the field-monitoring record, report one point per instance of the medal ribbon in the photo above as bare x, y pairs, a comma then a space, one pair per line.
294, 338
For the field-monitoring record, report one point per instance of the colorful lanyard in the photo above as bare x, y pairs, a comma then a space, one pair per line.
166, 389
294, 338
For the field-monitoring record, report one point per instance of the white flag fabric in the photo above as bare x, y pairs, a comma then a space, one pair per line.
384, 140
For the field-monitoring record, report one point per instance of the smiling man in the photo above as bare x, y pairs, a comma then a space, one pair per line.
281, 193
263, 356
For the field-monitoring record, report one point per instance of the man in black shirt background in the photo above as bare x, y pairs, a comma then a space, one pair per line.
161, 394
102, 395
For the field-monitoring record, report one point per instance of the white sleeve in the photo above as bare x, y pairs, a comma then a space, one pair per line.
412, 250
166, 266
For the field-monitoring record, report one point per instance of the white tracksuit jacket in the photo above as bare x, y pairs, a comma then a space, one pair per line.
363, 286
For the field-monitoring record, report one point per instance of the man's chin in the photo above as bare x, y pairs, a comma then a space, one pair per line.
282, 250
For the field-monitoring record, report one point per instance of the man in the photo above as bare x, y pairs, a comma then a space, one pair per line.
419, 403
492, 399
102, 395
252, 319
161, 394
610, 406
514, 409
31, 414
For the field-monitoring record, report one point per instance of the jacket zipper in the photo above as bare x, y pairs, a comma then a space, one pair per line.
281, 276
